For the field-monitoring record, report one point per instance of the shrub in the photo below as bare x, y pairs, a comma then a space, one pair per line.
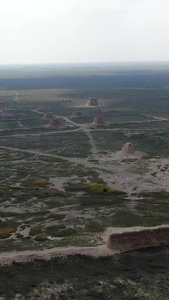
52, 193
40, 182
95, 188
58, 216
41, 238
6, 232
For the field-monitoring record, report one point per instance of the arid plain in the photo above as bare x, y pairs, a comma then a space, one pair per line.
74, 170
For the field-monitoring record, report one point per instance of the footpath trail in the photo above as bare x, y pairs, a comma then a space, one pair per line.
86, 130
81, 127
8, 258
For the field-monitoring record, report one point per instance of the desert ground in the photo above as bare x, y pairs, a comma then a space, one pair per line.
71, 174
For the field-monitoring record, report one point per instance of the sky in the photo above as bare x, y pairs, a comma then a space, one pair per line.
69, 31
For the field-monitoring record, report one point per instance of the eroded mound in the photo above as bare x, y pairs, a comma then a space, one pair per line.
99, 120
48, 116
93, 102
57, 122
128, 148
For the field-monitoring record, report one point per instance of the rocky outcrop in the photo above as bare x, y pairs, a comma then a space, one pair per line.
128, 148
93, 102
145, 238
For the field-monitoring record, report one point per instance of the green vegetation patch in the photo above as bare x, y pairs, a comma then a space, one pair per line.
49, 192
103, 188
6, 232
94, 188
40, 182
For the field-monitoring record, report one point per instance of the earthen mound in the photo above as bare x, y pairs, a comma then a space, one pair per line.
48, 116
2, 106
93, 102
57, 122
99, 120
77, 114
128, 148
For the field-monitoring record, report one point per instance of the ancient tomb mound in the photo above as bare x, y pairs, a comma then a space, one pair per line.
128, 148
131, 240
2, 106
77, 114
99, 120
57, 122
93, 102
48, 116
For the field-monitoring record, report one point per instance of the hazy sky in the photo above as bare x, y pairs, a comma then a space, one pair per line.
53, 31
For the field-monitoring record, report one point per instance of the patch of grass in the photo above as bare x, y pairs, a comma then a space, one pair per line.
49, 192
67, 232
155, 195
40, 182
40, 238
58, 216
35, 231
42, 212
52, 159
103, 188
60, 231
3, 189
96, 201
124, 218
95, 188
6, 232
94, 227
163, 202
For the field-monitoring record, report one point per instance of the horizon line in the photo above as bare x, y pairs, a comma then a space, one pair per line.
90, 62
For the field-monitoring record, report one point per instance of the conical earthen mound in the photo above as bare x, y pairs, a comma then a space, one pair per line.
2, 106
99, 120
57, 122
93, 102
128, 148
48, 116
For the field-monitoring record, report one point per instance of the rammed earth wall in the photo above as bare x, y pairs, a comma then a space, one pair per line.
139, 239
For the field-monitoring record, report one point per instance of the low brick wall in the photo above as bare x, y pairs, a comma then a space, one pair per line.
139, 239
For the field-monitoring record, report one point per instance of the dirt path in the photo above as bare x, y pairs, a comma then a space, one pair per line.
24, 256
86, 130
81, 127
156, 117
111, 168
94, 251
